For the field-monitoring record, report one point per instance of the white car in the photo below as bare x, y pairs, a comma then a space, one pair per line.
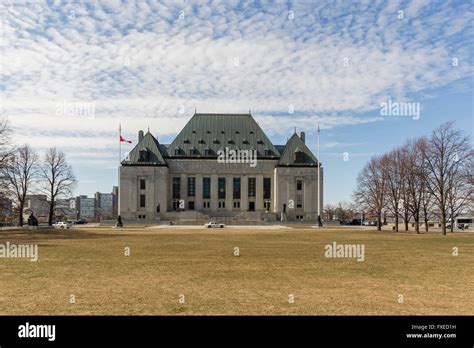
61, 224
214, 224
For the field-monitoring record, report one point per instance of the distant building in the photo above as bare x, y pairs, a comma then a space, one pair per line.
65, 209
104, 205
37, 205
85, 207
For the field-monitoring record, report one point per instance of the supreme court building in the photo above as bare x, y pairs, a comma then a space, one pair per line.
220, 166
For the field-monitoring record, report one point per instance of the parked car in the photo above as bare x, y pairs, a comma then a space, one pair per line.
61, 224
214, 224
80, 222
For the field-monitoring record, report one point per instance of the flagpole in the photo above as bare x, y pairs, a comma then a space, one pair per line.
319, 182
118, 171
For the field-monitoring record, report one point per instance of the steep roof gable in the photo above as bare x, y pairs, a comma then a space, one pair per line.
294, 145
148, 151
205, 134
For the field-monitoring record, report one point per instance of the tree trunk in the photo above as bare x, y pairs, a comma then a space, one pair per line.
443, 222
426, 224
396, 221
20, 214
379, 220
51, 214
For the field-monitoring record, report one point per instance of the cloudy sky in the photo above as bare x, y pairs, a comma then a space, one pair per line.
71, 71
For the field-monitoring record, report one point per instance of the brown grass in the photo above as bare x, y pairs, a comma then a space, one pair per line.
200, 264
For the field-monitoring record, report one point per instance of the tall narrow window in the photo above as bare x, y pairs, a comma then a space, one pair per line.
299, 184
206, 188
267, 188
236, 188
251, 187
191, 186
142, 184
221, 188
176, 187
142, 201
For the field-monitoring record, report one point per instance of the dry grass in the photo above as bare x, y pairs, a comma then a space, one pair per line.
200, 264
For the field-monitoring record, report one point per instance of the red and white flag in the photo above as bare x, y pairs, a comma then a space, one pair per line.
122, 140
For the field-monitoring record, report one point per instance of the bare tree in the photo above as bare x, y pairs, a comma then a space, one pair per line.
19, 172
427, 204
5, 149
460, 191
329, 212
394, 174
58, 179
448, 151
370, 192
415, 177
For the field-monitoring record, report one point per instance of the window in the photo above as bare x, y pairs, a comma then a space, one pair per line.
207, 152
143, 155
206, 188
191, 186
236, 204
236, 188
142, 201
176, 152
193, 152
267, 188
251, 187
299, 157
206, 204
142, 184
267, 153
221, 188
176, 187
299, 185
299, 200
191, 205
221, 204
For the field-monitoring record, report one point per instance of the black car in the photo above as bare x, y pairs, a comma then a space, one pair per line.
80, 222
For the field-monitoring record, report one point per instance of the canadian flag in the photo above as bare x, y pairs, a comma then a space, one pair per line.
122, 140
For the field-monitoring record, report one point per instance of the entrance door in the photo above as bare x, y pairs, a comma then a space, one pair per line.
251, 206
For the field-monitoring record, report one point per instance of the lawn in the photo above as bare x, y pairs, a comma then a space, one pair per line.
274, 267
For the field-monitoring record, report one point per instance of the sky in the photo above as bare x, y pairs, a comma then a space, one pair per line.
72, 71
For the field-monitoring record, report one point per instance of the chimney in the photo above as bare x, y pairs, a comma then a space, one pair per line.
140, 135
302, 136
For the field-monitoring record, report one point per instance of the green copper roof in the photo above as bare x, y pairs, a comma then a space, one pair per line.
147, 152
218, 131
205, 134
293, 146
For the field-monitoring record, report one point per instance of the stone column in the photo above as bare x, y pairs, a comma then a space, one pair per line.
259, 192
184, 190
214, 199
198, 193
229, 187
244, 193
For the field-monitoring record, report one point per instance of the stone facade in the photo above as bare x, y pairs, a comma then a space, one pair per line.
194, 185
